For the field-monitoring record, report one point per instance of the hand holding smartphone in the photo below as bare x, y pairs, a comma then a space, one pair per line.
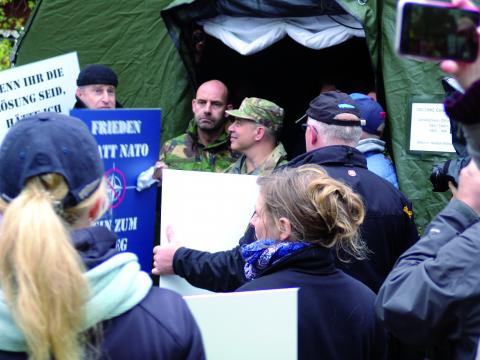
434, 30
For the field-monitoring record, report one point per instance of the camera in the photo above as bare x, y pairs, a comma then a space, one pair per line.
434, 30
449, 171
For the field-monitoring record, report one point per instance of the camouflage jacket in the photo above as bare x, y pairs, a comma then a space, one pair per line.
275, 159
185, 152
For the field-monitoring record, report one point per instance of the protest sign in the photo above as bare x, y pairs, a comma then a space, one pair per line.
207, 211
128, 142
47, 85
234, 326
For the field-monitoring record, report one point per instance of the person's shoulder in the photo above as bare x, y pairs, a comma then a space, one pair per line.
161, 322
168, 310
383, 167
378, 157
166, 299
177, 149
361, 291
274, 280
177, 140
375, 179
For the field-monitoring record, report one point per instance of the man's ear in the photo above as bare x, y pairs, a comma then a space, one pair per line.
285, 228
228, 107
313, 136
193, 105
260, 133
78, 92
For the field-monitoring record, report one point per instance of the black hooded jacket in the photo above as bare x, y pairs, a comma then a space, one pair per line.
336, 316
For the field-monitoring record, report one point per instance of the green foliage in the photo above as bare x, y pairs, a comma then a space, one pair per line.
5, 50
13, 16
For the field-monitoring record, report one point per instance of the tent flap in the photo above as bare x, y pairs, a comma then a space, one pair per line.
248, 35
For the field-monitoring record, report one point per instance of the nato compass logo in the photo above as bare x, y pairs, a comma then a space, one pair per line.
116, 186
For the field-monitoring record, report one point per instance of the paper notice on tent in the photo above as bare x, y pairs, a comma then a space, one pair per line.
128, 142
430, 128
207, 211
47, 85
235, 326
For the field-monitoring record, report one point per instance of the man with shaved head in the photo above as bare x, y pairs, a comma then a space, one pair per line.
206, 145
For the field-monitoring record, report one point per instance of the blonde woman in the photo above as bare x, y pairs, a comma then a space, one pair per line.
64, 291
302, 215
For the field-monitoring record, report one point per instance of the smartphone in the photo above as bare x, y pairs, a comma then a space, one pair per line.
434, 30
450, 85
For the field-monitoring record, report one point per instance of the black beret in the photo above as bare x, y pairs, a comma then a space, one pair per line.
97, 74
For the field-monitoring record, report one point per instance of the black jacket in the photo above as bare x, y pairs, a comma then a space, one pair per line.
336, 316
160, 327
388, 230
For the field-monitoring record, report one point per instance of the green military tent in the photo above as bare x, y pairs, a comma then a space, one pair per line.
162, 50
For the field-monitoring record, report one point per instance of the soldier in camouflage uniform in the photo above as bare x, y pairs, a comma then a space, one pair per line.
205, 146
254, 133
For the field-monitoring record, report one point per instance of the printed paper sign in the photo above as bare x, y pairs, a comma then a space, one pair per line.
128, 142
430, 128
207, 211
47, 85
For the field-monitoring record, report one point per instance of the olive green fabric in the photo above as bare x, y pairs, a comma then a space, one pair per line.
128, 36
184, 152
403, 80
277, 158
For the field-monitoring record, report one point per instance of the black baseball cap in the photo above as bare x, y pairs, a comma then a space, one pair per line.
326, 106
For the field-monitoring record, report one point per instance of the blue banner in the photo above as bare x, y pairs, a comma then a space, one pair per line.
129, 143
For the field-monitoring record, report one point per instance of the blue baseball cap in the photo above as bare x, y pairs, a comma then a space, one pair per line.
50, 143
372, 112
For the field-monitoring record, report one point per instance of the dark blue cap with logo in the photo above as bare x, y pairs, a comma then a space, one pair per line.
50, 143
326, 106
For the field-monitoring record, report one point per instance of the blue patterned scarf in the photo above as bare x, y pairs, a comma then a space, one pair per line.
261, 254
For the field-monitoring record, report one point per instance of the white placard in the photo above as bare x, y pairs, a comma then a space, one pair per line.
430, 128
248, 325
47, 85
208, 212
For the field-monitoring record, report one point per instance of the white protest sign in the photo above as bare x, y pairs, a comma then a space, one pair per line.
47, 85
207, 211
248, 325
430, 128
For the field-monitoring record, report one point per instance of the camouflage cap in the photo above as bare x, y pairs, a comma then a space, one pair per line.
261, 111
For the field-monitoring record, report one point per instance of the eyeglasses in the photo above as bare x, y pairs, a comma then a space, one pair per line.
305, 126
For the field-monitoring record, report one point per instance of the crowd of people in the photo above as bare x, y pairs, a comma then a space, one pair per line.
331, 222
